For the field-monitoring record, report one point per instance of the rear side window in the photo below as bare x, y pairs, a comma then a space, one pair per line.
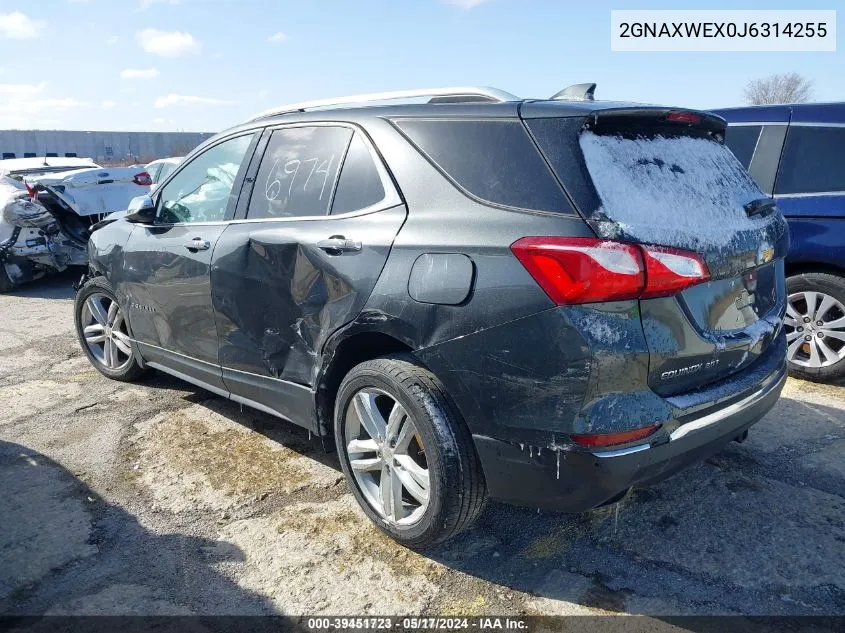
812, 160
359, 185
298, 172
742, 139
493, 160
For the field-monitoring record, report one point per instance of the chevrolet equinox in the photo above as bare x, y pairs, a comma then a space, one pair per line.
542, 302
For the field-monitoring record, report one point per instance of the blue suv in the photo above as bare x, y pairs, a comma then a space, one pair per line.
796, 153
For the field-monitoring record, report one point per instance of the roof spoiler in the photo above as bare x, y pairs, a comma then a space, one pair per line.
576, 92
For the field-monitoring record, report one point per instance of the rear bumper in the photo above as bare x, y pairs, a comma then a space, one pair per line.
575, 481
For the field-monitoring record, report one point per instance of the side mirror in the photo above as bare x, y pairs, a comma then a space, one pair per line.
141, 210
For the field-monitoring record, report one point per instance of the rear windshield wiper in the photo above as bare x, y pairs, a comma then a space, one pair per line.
756, 207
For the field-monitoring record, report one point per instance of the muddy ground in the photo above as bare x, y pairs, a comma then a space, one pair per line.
160, 498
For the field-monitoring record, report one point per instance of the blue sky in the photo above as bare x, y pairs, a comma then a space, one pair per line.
203, 65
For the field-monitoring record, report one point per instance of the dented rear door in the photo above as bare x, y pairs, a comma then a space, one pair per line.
302, 262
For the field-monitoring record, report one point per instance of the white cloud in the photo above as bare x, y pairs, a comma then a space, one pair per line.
111, 41
139, 73
174, 99
19, 26
168, 43
21, 89
146, 4
277, 37
465, 4
30, 106
108, 104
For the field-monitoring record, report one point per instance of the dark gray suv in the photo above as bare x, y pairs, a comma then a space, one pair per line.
544, 302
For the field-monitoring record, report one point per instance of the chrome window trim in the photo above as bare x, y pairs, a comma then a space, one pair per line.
811, 194
816, 124
750, 123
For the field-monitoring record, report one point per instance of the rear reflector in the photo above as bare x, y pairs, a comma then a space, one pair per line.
573, 270
612, 439
683, 117
143, 179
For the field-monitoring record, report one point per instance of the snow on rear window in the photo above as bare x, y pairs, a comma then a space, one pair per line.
675, 191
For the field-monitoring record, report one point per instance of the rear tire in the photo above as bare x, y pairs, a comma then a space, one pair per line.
408, 433
104, 334
815, 298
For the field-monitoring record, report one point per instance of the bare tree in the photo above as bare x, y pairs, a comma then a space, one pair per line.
785, 88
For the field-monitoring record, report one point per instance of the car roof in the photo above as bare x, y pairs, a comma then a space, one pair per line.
832, 112
171, 159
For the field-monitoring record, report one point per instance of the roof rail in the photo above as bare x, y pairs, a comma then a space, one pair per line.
473, 93
576, 92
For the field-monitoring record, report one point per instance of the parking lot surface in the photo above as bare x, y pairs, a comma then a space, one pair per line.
159, 498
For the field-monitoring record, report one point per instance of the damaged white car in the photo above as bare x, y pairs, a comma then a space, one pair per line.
47, 208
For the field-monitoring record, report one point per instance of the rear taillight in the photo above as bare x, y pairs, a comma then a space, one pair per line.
143, 179
683, 117
596, 440
574, 270
670, 270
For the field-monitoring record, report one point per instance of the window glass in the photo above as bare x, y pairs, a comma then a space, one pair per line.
166, 170
201, 191
298, 172
492, 160
742, 139
359, 185
154, 171
812, 160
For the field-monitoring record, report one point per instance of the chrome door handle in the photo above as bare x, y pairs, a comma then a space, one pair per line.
197, 244
337, 244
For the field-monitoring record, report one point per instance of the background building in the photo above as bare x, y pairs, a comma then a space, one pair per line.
103, 147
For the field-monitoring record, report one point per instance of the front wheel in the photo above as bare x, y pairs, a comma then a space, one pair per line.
815, 326
103, 332
406, 453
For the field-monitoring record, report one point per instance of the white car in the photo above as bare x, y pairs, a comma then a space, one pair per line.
47, 207
162, 168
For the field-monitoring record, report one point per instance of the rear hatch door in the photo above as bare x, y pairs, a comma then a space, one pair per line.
660, 176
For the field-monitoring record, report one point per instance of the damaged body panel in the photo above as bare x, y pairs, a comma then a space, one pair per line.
46, 214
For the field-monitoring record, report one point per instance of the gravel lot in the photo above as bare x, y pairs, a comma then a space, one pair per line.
159, 498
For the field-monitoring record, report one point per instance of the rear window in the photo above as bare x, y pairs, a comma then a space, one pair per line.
742, 139
812, 160
673, 191
492, 160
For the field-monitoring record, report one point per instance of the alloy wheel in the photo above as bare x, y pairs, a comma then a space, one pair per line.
815, 329
387, 457
105, 332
